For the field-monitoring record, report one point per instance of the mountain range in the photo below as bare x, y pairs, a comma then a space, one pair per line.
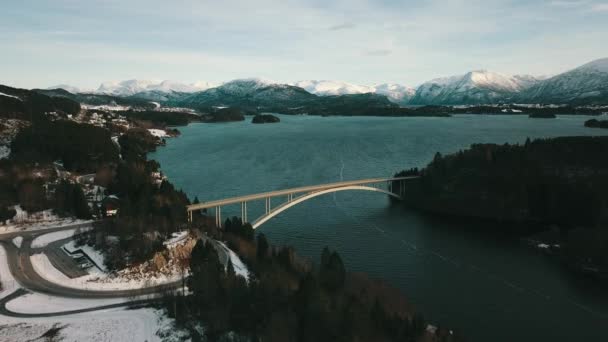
587, 84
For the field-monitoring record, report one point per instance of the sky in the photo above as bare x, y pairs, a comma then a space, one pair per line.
84, 43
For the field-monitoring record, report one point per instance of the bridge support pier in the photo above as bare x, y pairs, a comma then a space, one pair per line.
244, 211
218, 217
268, 207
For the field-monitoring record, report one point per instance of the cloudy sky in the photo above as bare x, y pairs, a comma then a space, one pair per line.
83, 43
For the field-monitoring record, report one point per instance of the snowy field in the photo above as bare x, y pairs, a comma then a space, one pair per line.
24, 221
112, 325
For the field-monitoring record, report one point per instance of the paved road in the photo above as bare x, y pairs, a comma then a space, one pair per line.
8, 236
20, 292
21, 267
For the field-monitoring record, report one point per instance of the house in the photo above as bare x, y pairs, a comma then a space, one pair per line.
60, 169
110, 206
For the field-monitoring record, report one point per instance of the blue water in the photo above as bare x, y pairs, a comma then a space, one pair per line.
487, 285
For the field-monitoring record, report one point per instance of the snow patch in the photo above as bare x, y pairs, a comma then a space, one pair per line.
5, 151
45, 239
176, 238
7, 95
239, 267
17, 241
159, 133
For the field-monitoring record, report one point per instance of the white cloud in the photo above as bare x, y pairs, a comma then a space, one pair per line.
601, 7
359, 41
568, 3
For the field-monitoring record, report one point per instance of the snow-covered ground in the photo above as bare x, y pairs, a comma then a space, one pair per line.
17, 241
9, 284
106, 107
95, 280
92, 253
239, 266
24, 221
42, 303
176, 238
5, 151
7, 95
159, 133
115, 325
45, 239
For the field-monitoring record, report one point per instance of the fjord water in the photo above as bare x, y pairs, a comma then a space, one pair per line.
473, 277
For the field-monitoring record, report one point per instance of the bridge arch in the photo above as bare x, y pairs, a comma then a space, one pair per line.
286, 205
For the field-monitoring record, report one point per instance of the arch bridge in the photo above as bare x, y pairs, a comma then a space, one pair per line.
294, 196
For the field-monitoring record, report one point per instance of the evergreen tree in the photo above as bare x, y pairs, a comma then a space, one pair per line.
262, 246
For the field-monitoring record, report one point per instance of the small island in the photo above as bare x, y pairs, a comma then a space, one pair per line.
542, 115
594, 123
265, 118
225, 115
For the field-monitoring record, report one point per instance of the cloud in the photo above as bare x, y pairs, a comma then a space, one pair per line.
601, 7
67, 41
568, 3
345, 26
379, 52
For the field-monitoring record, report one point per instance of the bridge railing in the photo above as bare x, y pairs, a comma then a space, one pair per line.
292, 191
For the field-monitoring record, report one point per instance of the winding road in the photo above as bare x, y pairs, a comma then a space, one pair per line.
21, 268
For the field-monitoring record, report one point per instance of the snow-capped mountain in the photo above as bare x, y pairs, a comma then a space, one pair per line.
67, 87
587, 84
246, 93
325, 87
395, 92
475, 87
132, 87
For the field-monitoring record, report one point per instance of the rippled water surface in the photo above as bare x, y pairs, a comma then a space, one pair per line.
485, 284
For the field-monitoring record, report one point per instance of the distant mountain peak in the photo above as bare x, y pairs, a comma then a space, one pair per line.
134, 86
600, 65
395, 92
67, 87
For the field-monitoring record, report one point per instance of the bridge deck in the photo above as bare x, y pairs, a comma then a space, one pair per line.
285, 192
